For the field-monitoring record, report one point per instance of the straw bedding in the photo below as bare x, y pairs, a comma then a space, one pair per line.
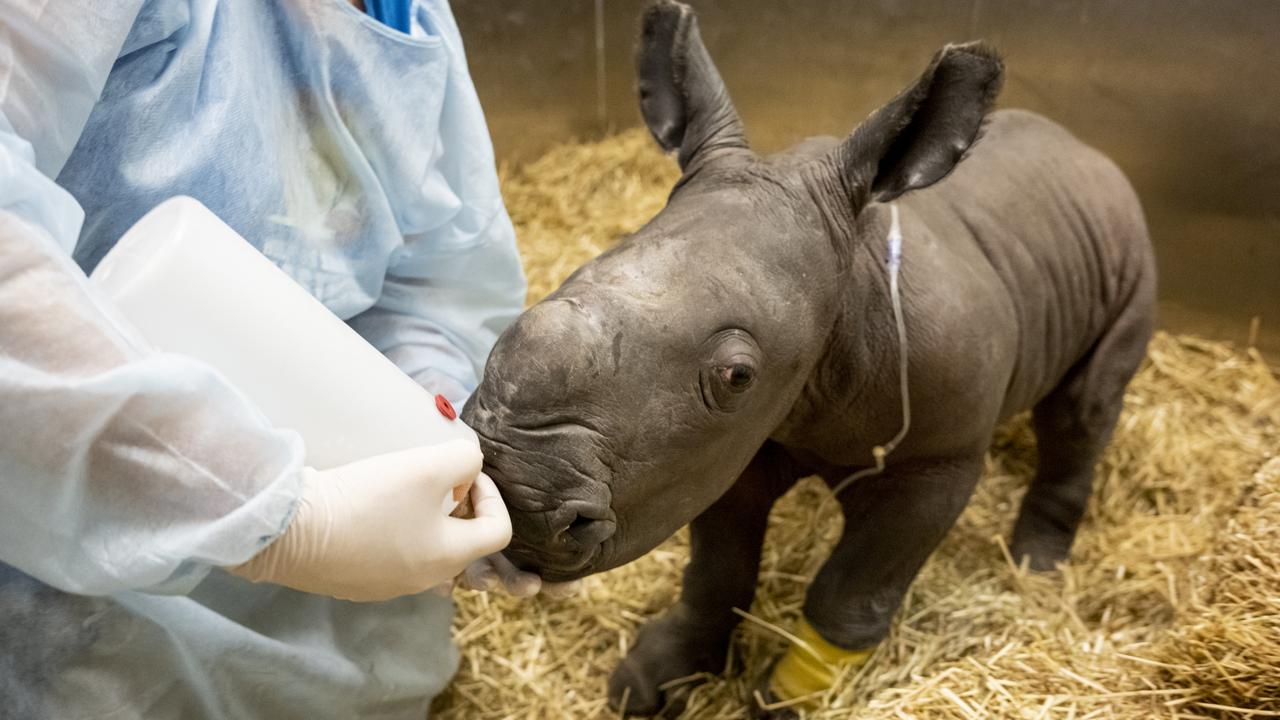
1170, 607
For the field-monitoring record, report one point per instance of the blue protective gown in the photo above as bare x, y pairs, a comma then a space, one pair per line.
357, 159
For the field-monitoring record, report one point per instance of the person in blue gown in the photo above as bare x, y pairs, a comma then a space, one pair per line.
348, 145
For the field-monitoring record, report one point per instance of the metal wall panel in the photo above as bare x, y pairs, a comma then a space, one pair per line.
1183, 94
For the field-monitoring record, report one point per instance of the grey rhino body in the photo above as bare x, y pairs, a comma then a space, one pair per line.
745, 338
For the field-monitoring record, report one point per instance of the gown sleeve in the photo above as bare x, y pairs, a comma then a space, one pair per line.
120, 467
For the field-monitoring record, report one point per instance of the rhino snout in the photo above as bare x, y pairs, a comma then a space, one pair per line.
561, 514
558, 545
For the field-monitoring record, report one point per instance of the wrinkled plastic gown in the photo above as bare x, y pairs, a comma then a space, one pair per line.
356, 158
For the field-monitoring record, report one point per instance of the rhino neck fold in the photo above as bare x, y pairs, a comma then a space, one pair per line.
859, 359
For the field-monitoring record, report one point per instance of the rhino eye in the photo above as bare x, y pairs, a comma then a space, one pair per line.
732, 365
738, 376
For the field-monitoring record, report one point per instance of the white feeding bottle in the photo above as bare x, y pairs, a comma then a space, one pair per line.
193, 286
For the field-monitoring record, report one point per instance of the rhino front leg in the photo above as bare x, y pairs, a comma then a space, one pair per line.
693, 636
893, 522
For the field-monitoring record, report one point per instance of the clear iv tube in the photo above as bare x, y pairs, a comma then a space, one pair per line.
880, 452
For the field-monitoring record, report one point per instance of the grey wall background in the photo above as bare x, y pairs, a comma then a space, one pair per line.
1183, 94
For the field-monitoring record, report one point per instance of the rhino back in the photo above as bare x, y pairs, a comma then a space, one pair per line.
1061, 228
1013, 267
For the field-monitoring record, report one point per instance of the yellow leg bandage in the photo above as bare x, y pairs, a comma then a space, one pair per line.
812, 669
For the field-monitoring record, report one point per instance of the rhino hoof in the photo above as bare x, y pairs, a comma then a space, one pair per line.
670, 658
1042, 552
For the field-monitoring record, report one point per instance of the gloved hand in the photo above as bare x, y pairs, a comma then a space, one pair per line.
374, 530
494, 571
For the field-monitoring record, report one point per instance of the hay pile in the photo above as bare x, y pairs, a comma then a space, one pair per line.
1170, 608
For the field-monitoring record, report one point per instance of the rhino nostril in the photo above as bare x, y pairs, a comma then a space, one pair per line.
588, 532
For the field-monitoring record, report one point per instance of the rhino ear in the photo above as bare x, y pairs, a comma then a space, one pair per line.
920, 136
682, 98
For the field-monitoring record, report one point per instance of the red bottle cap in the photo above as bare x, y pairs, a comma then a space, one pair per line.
446, 408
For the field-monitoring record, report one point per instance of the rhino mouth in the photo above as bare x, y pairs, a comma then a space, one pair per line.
558, 539
554, 568
561, 514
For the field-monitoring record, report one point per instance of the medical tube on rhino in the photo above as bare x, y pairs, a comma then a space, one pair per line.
192, 285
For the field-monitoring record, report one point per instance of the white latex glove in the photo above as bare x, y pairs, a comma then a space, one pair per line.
374, 530
494, 571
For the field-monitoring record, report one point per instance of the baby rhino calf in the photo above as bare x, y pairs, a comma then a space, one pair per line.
746, 337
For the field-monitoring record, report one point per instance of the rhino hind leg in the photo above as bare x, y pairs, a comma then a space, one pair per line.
1073, 425
689, 642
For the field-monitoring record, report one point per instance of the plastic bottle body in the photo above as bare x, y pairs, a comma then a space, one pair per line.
191, 285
